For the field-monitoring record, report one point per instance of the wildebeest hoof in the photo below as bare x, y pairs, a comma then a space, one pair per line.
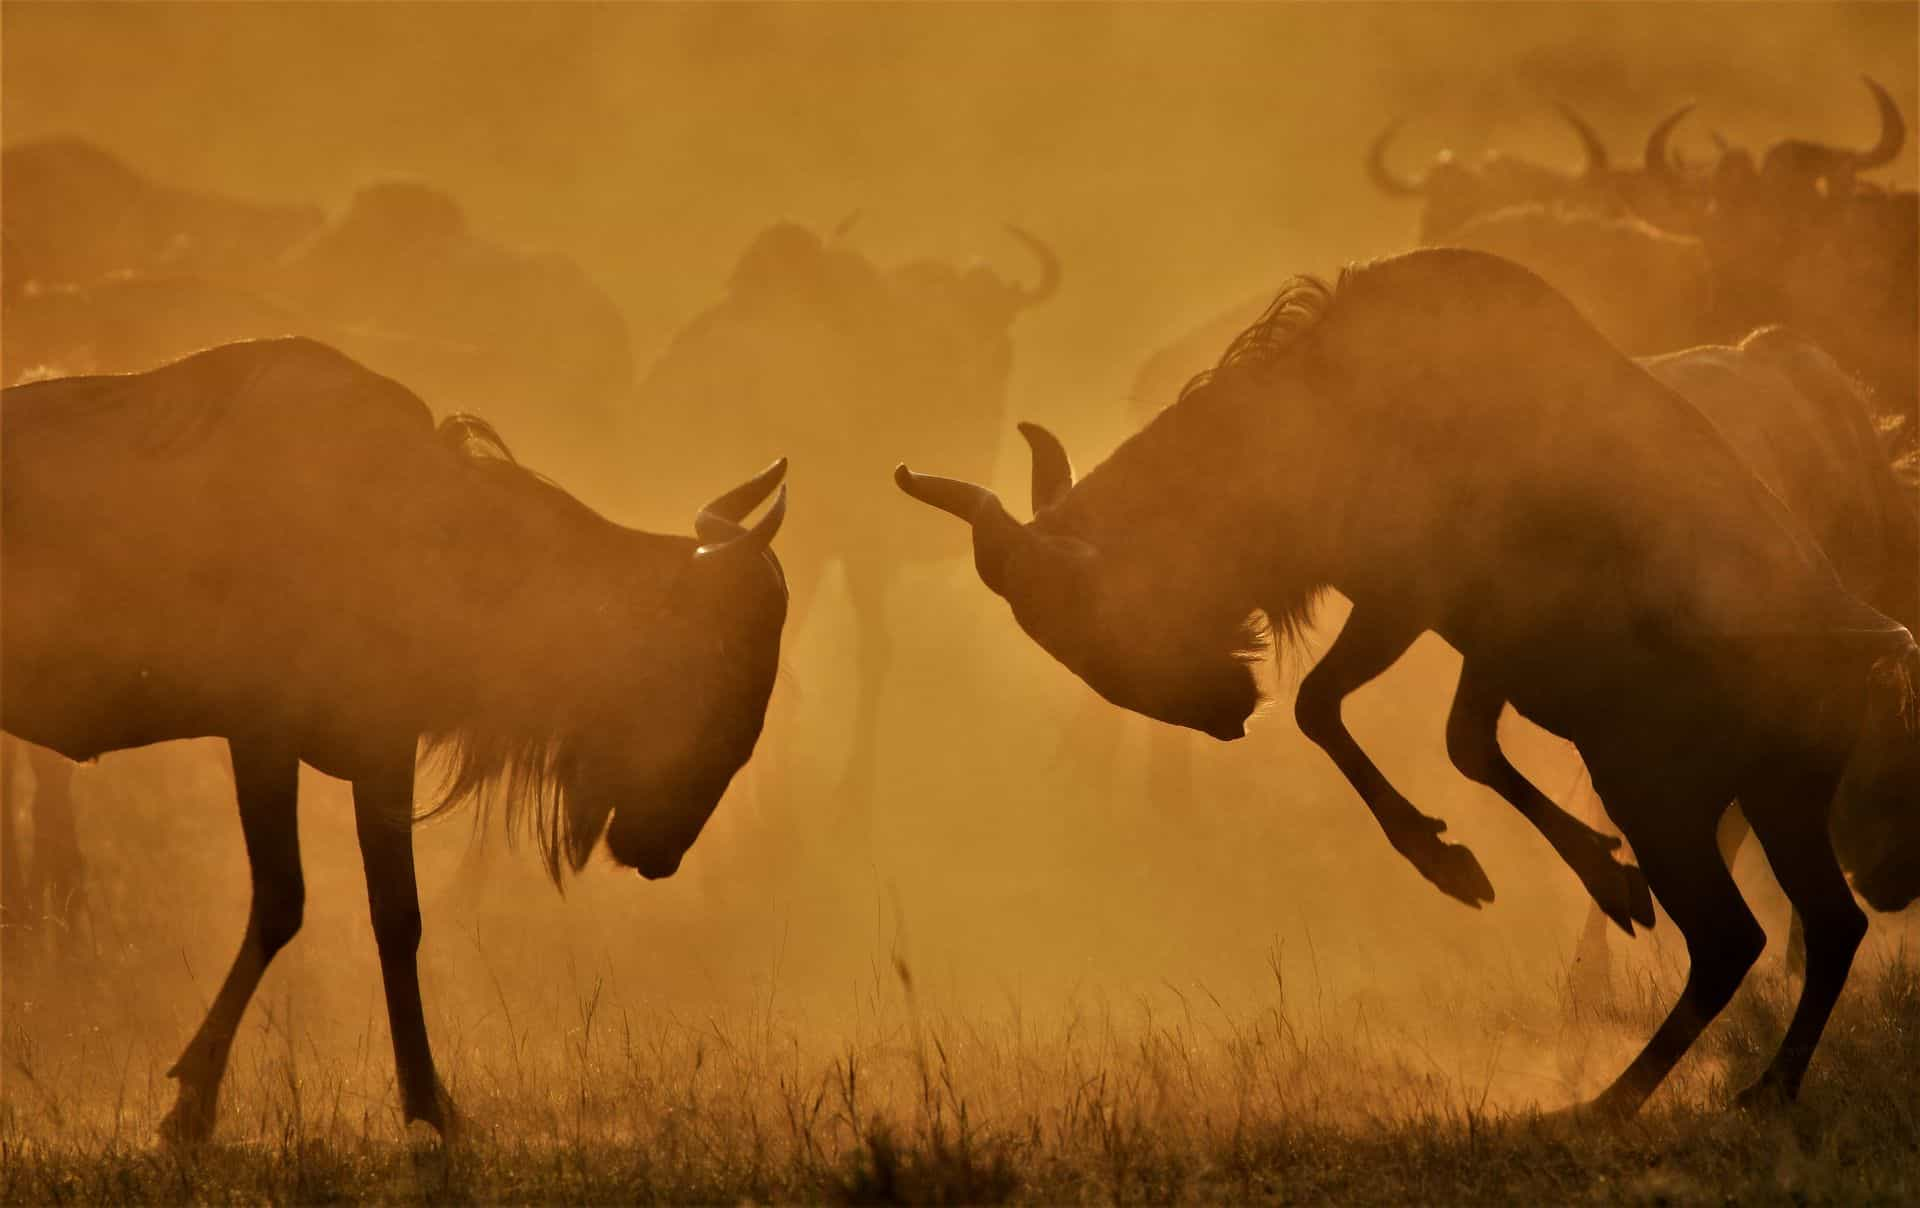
1452, 868
1619, 890
1767, 1095
190, 1123
440, 1114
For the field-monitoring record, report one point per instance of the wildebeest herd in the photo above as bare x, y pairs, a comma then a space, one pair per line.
1638, 442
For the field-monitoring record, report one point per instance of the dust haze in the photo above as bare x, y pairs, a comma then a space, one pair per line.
1017, 862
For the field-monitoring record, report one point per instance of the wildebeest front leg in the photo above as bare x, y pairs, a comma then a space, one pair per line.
265, 780
1473, 743
1368, 645
383, 817
1787, 815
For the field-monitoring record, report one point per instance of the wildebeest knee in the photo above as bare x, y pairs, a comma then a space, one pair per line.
1317, 713
1472, 751
1838, 928
279, 918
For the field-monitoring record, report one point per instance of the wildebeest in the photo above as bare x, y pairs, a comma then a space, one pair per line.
110, 272
813, 350
1456, 191
1444, 440
75, 214
51, 882
1800, 238
270, 544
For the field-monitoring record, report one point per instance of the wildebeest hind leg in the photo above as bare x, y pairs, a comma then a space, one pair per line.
383, 818
1675, 843
1786, 814
1473, 743
266, 781
1368, 644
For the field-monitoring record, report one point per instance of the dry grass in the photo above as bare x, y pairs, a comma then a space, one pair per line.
1171, 1096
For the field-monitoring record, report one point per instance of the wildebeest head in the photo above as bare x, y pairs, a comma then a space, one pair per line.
979, 296
688, 694
1457, 190
1121, 615
1792, 176
1876, 819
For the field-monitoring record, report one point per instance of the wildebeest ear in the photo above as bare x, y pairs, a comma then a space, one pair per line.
1052, 472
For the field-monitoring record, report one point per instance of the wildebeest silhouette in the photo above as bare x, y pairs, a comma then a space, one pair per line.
812, 350
1444, 439
1800, 238
268, 543
51, 883
1454, 191
75, 214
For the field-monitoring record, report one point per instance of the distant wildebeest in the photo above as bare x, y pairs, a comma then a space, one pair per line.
406, 286
813, 350
1454, 191
1801, 238
1444, 440
74, 214
270, 544
51, 883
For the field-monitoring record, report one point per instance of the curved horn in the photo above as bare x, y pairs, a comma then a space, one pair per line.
1893, 130
747, 541
720, 520
994, 531
1049, 270
1658, 160
1596, 151
1052, 471
965, 500
1384, 180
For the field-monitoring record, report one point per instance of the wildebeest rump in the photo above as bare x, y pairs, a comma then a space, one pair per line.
270, 544
1444, 440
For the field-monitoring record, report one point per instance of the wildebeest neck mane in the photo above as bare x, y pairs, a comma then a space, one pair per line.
512, 744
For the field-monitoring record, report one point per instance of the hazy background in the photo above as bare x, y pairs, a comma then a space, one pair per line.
1179, 157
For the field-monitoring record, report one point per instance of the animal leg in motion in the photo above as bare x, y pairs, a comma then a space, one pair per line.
1369, 644
1473, 743
1733, 832
59, 870
1787, 816
383, 817
1675, 844
265, 780
873, 645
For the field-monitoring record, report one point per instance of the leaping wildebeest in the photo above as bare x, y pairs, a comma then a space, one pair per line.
268, 543
1442, 438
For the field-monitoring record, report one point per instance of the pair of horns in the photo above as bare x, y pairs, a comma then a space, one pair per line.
1893, 136
1593, 149
971, 502
721, 524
